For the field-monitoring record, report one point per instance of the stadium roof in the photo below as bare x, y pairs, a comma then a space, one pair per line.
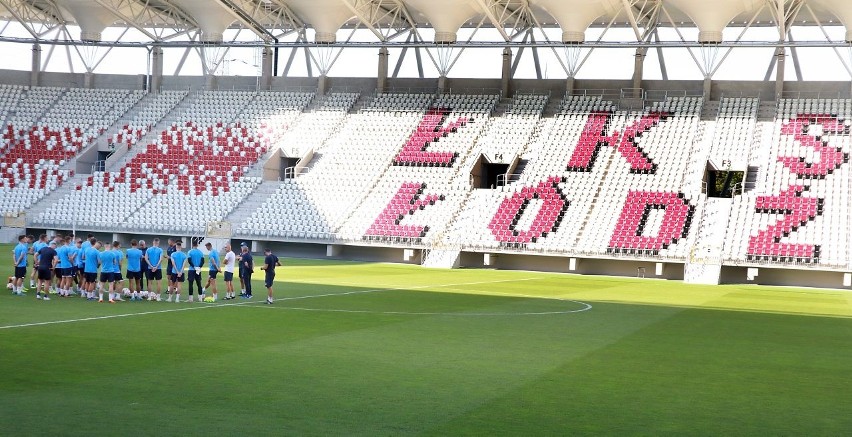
163, 20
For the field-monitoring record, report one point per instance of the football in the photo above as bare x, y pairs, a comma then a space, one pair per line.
8, 285
125, 292
209, 299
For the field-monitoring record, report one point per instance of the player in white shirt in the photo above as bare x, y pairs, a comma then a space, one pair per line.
228, 266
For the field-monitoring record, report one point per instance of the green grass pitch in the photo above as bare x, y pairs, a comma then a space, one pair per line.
380, 349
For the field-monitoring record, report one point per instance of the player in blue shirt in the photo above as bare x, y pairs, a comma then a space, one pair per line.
215, 267
134, 270
66, 257
154, 258
169, 267
79, 263
84, 248
178, 264
107, 262
196, 261
90, 270
40, 244
19, 260
118, 264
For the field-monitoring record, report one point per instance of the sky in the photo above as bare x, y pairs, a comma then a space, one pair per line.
817, 64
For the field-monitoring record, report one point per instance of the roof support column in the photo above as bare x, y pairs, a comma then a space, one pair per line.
506, 78
569, 85
322, 84
211, 82
779, 72
638, 71
35, 73
708, 87
267, 61
382, 76
156, 69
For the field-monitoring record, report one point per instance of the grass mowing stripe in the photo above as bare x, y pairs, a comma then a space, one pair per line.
584, 307
173, 310
116, 316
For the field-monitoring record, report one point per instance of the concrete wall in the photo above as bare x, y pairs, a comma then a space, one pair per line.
784, 277
15, 77
561, 264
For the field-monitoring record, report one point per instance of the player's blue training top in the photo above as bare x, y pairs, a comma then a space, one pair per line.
155, 256
169, 252
178, 259
134, 260
196, 257
214, 261
64, 253
21, 253
79, 259
107, 259
119, 257
92, 257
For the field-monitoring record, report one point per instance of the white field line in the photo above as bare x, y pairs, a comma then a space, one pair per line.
585, 307
200, 307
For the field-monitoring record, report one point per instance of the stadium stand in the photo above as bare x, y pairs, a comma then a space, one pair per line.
397, 171
426, 171
195, 168
568, 192
341, 172
802, 215
734, 132
50, 127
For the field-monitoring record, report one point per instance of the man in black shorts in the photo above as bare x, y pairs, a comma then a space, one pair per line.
243, 245
172, 278
214, 270
143, 266
47, 259
269, 264
154, 259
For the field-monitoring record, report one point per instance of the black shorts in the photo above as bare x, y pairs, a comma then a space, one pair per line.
213, 274
45, 275
192, 274
67, 272
269, 280
20, 272
116, 277
229, 276
180, 278
107, 277
172, 277
134, 275
75, 270
155, 275
90, 277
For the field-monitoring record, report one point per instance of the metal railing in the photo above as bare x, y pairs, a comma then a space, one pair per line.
505, 178
800, 95
294, 172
